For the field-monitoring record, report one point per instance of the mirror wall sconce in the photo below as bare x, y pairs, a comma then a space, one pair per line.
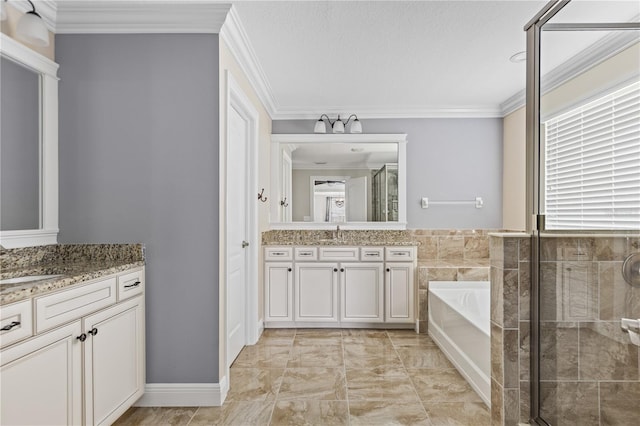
31, 27
337, 126
261, 196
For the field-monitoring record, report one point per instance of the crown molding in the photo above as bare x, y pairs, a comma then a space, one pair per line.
235, 36
139, 17
47, 9
368, 112
605, 48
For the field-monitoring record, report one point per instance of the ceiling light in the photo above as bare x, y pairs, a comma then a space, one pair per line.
518, 57
31, 28
338, 126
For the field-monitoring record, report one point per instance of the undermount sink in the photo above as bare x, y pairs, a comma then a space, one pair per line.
28, 278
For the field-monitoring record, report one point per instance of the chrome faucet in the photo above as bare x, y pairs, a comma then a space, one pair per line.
337, 235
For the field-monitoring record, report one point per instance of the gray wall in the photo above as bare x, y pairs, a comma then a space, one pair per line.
447, 159
139, 163
19, 147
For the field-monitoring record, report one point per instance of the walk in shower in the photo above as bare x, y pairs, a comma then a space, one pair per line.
583, 135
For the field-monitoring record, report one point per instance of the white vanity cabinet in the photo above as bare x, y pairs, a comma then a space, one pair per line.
334, 286
90, 368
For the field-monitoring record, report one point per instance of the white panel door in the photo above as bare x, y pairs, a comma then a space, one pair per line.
114, 360
316, 292
237, 232
400, 298
356, 199
278, 292
41, 379
362, 292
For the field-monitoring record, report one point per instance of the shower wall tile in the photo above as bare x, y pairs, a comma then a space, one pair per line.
497, 354
510, 345
524, 289
510, 298
617, 298
548, 299
619, 403
511, 405
497, 296
569, 403
525, 401
497, 408
511, 253
606, 352
612, 248
577, 291
524, 350
559, 351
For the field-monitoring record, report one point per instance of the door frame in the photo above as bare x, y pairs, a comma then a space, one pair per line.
236, 99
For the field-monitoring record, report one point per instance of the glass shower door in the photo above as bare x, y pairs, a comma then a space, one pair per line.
586, 134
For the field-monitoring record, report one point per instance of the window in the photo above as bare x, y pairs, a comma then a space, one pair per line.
592, 164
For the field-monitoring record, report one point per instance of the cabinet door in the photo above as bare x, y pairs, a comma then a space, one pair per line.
362, 292
113, 361
400, 298
41, 379
316, 292
278, 291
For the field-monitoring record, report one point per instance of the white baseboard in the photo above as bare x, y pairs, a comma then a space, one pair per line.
184, 394
260, 328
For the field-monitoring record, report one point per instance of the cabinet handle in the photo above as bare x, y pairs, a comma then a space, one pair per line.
10, 326
388, 270
82, 337
93, 331
136, 284
289, 269
341, 269
335, 269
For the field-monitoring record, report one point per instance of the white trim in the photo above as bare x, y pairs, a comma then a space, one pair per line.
259, 328
605, 48
137, 17
343, 225
184, 394
235, 36
47, 69
363, 111
339, 138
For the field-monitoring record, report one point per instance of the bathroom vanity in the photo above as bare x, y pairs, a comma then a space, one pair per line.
340, 286
73, 339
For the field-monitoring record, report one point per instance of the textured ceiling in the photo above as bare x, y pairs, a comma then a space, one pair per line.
391, 58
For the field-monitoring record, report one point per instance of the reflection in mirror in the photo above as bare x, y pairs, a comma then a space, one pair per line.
19, 147
348, 182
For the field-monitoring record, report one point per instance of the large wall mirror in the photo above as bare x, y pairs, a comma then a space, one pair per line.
355, 180
28, 146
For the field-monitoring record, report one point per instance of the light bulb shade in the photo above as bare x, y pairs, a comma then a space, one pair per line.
31, 29
356, 126
320, 127
3, 11
338, 126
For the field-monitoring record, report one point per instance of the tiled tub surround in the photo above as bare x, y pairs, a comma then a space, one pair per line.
590, 372
75, 262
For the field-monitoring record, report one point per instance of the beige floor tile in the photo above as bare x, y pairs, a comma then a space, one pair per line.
412, 339
458, 414
442, 385
263, 356
371, 413
383, 371
365, 337
254, 384
319, 332
165, 416
275, 340
278, 332
325, 413
423, 357
317, 340
237, 413
313, 383
375, 385
316, 356
366, 356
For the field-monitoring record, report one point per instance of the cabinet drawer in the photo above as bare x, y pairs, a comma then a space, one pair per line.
306, 253
372, 254
17, 320
339, 253
68, 305
278, 253
130, 284
399, 253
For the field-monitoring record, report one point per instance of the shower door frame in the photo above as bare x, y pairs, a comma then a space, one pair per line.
535, 222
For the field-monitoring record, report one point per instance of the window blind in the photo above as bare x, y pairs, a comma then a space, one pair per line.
592, 164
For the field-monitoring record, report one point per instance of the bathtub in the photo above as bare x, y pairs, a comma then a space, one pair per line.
459, 324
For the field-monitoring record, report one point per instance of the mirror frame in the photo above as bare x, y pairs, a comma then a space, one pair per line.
47, 70
289, 139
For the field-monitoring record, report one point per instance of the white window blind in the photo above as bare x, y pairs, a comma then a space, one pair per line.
592, 164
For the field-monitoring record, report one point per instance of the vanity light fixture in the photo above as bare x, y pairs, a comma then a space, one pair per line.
337, 126
31, 28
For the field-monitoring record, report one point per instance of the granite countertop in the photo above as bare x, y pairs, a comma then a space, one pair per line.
330, 238
74, 263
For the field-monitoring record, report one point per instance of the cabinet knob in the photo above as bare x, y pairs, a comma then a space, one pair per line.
335, 269
289, 269
93, 331
10, 326
341, 269
82, 337
388, 270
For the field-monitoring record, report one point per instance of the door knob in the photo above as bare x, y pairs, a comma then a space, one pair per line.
245, 244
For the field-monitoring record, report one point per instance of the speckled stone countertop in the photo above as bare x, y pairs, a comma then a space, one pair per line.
347, 238
74, 263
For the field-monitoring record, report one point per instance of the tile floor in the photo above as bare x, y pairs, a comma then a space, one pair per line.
335, 377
